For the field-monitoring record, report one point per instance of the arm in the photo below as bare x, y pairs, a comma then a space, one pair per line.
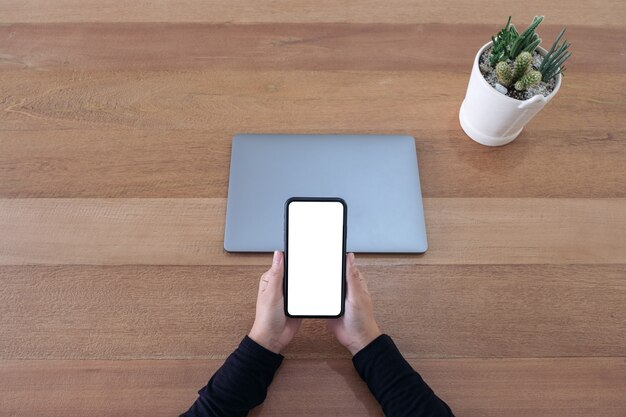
241, 383
398, 388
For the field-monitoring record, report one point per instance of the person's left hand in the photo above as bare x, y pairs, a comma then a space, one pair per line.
272, 329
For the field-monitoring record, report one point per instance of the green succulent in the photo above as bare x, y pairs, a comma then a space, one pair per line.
522, 76
522, 64
508, 43
529, 79
504, 73
552, 63
528, 41
502, 42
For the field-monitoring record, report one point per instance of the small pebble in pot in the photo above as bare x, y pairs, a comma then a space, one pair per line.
500, 88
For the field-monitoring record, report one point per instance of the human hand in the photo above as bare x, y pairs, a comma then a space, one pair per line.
272, 329
357, 327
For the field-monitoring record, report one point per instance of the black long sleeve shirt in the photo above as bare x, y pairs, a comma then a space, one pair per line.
241, 383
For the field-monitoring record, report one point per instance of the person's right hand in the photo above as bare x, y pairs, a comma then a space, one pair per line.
357, 327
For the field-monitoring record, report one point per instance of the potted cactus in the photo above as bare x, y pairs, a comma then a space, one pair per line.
512, 79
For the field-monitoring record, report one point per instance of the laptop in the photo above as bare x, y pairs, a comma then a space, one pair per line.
377, 176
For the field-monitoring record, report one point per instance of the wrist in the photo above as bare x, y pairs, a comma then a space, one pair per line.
360, 342
267, 342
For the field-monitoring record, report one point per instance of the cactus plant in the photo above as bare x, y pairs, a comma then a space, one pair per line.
504, 73
508, 44
522, 65
517, 64
529, 79
512, 79
521, 77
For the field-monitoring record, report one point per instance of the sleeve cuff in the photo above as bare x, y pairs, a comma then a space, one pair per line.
252, 348
382, 343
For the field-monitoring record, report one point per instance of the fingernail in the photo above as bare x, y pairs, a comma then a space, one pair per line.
351, 258
275, 258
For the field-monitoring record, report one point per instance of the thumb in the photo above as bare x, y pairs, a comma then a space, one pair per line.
353, 278
272, 279
277, 262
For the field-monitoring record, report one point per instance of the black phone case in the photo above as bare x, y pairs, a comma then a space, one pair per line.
343, 262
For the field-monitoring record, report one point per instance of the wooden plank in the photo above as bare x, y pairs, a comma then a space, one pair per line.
268, 101
568, 387
190, 232
607, 12
318, 46
242, 101
110, 163
140, 163
135, 312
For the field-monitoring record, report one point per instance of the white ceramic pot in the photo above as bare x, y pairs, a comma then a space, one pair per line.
492, 118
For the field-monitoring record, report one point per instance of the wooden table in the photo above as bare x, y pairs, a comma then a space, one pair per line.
116, 297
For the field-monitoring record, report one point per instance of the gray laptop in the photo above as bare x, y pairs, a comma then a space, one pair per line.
376, 175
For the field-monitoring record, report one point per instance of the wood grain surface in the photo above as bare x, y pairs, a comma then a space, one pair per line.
575, 387
116, 296
606, 12
115, 163
190, 231
148, 312
319, 46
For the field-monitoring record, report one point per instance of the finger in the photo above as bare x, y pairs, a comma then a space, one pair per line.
267, 275
276, 260
353, 277
362, 280
272, 279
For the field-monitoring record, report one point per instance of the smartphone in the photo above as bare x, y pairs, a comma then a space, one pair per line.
315, 257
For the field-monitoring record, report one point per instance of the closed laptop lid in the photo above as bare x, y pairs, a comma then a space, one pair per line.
377, 176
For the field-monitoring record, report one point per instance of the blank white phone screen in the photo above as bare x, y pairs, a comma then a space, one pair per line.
314, 258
